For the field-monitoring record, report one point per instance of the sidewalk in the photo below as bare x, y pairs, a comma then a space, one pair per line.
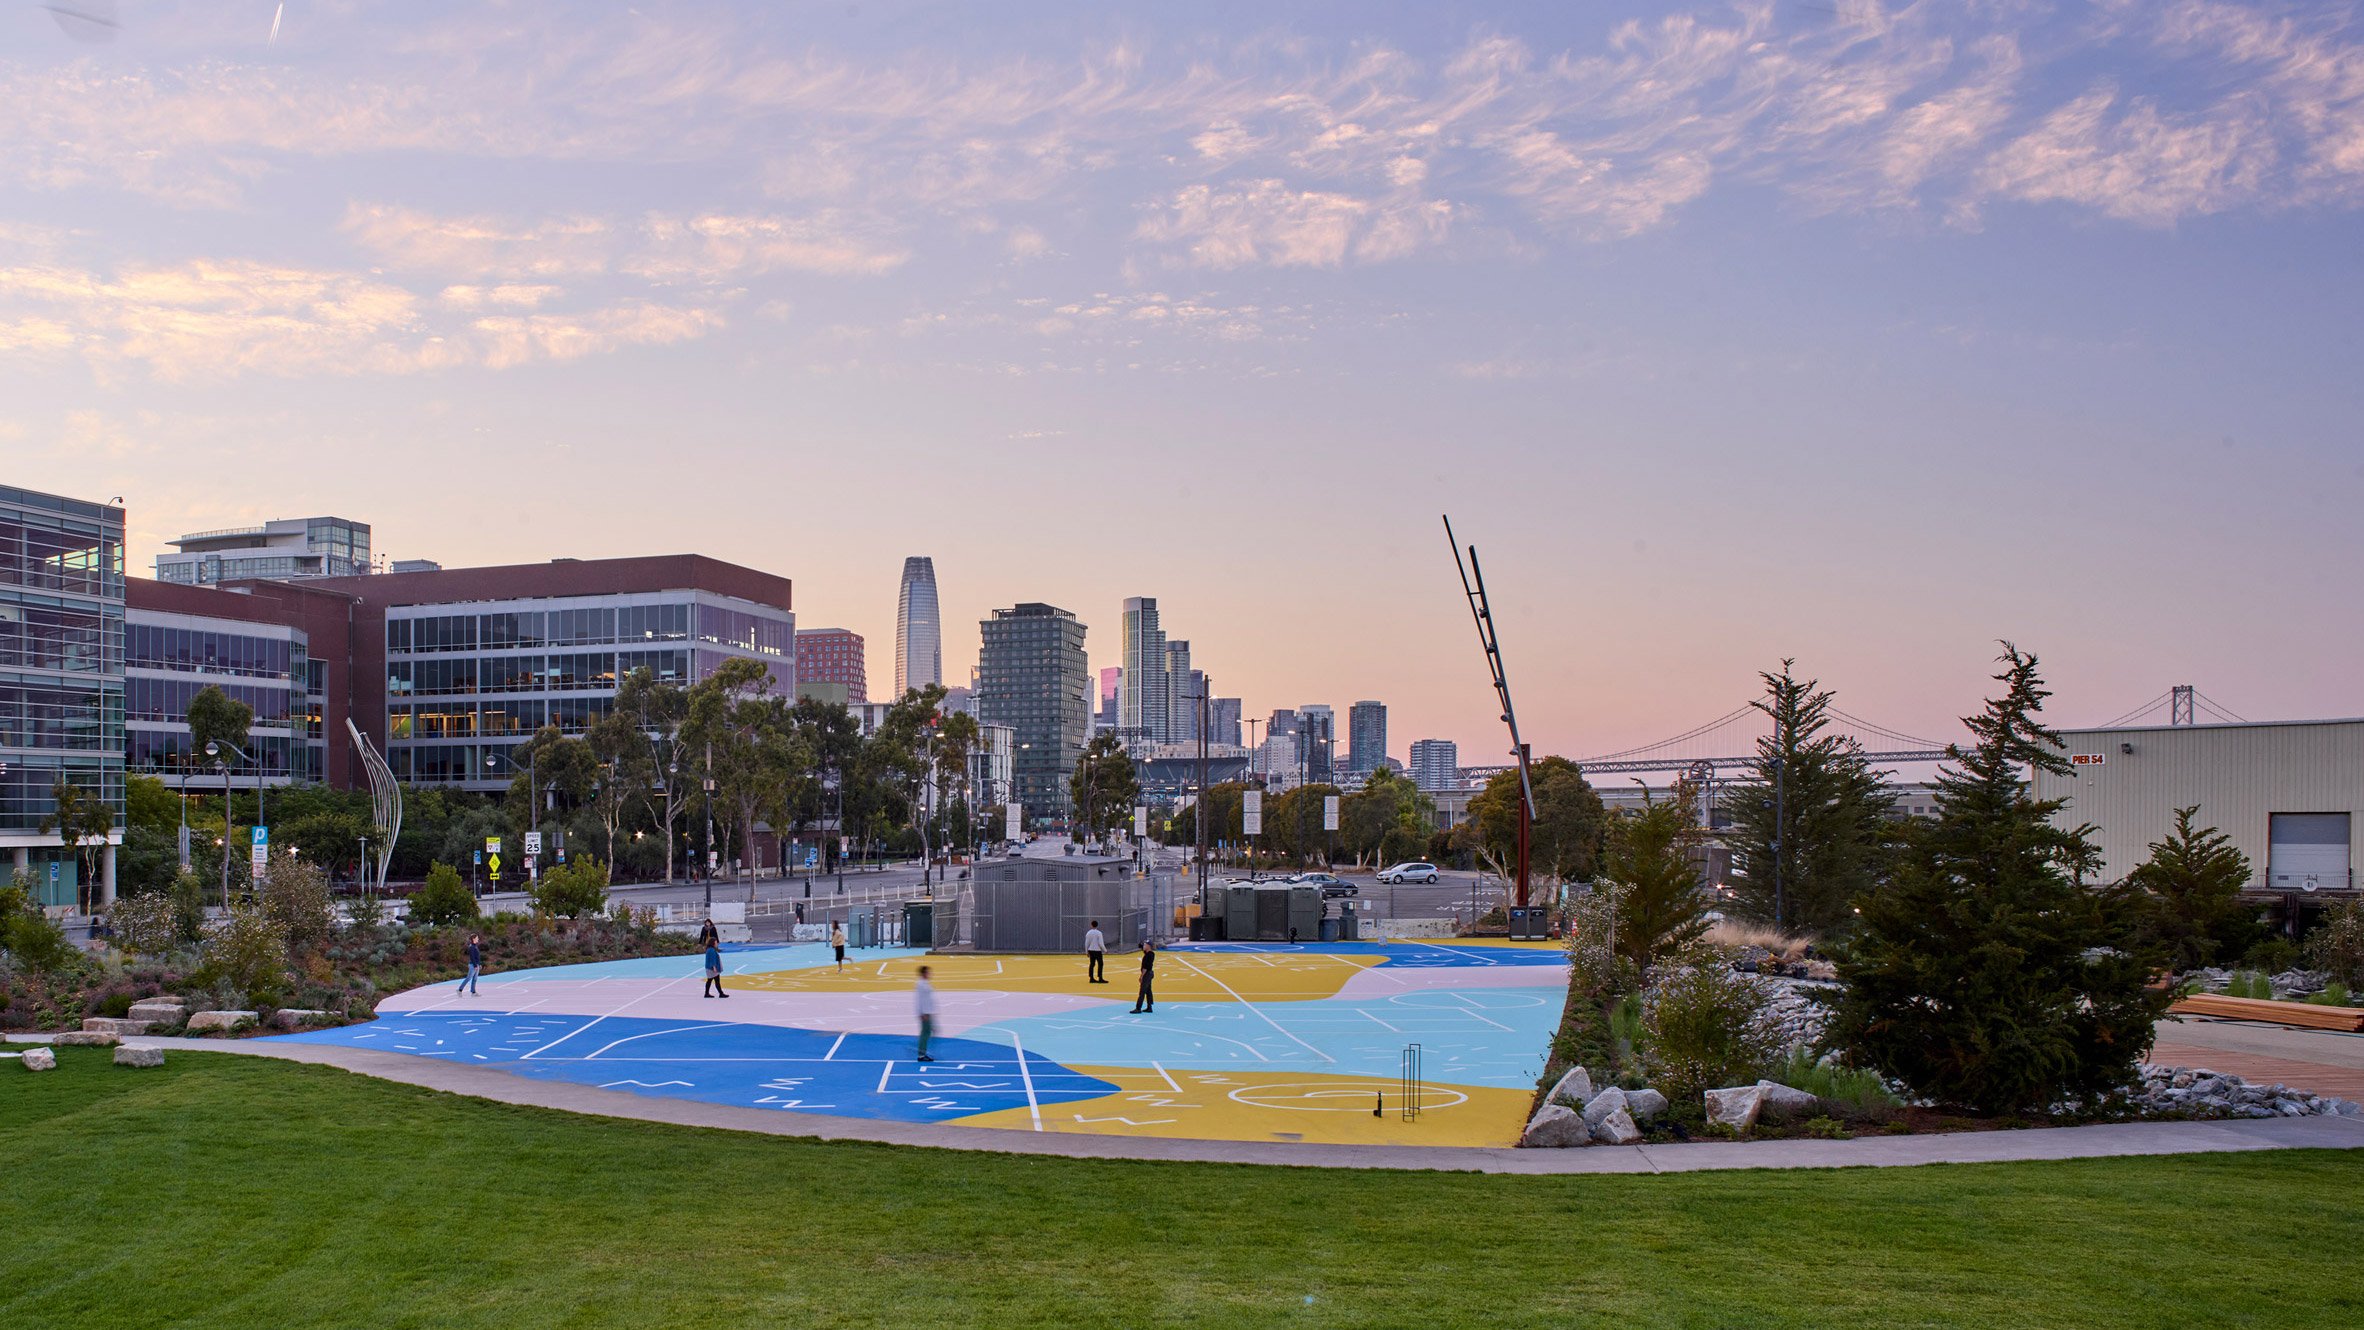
2137, 1138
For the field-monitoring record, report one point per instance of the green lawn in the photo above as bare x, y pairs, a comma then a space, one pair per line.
232, 1191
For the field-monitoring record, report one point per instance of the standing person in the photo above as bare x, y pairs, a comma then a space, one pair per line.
837, 941
713, 968
708, 935
475, 962
1146, 1001
923, 1002
1095, 955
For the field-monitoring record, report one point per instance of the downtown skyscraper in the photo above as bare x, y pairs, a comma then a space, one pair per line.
1141, 711
919, 629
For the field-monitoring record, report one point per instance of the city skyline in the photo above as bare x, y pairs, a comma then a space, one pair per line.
1728, 334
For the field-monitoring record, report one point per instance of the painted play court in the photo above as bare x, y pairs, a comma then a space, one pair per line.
1249, 1042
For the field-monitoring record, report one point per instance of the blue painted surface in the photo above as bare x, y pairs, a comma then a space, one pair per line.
723, 1062
737, 958
1475, 1036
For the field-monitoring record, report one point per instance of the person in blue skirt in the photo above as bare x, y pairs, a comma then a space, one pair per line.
713, 968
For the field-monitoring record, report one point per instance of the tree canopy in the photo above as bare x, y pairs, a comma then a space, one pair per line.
1811, 826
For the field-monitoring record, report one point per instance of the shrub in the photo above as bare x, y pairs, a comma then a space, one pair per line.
1661, 910
296, 897
246, 953
36, 943
1853, 1086
573, 890
188, 907
2334, 994
2274, 955
146, 924
1707, 1027
444, 899
2338, 946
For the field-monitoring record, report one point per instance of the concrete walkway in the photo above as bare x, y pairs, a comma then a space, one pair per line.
2136, 1138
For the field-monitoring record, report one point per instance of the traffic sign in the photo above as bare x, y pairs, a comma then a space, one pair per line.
493, 861
1329, 812
262, 847
533, 844
1251, 812
1140, 822
492, 845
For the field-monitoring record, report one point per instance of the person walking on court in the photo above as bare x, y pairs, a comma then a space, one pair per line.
713, 968
709, 935
1146, 1000
1095, 955
475, 962
923, 1002
837, 940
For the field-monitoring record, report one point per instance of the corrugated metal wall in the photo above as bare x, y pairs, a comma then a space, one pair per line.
2239, 775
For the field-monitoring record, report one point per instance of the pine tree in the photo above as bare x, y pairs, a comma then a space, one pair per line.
1982, 975
2191, 886
1811, 825
1653, 856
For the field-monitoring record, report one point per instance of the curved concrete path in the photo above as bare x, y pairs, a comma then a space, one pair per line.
2131, 1138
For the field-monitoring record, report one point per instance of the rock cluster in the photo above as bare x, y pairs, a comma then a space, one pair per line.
139, 1057
40, 1059
1574, 1113
86, 1038
2289, 986
2198, 1092
1793, 1009
115, 1025
292, 1018
1737, 1106
220, 1020
160, 1010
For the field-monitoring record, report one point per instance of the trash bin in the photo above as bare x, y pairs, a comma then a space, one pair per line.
919, 923
1330, 930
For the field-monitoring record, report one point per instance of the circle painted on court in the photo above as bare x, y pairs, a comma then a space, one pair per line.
1329, 1097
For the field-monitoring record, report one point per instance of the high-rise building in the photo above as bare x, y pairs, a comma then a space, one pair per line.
832, 656
1319, 725
1181, 718
61, 682
1034, 677
255, 646
919, 629
1104, 711
1436, 764
282, 551
1141, 714
1366, 736
1224, 725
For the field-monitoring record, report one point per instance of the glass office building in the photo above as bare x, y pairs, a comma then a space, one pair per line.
279, 551
61, 681
1032, 676
169, 658
467, 683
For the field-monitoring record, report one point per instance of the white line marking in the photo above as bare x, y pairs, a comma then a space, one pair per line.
1159, 1068
1027, 1074
1258, 1010
678, 1029
834, 1047
597, 1019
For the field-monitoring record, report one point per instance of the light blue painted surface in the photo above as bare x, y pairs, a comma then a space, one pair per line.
736, 959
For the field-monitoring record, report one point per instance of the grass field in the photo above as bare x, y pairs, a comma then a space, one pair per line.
225, 1191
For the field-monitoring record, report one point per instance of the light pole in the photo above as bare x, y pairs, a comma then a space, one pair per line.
708, 783
533, 797
213, 749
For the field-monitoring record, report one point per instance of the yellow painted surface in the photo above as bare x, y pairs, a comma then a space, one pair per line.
1277, 1106
1181, 976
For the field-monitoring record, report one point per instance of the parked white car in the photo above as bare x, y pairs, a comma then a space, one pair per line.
1413, 872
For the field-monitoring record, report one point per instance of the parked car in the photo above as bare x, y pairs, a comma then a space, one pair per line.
1330, 884
1413, 872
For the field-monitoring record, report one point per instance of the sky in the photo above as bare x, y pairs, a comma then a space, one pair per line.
1865, 334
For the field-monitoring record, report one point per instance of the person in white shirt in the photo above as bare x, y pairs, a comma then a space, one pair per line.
923, 1001
1095, 956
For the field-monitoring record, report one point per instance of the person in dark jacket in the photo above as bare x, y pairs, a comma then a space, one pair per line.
713, 967
475, 962
1146, 1000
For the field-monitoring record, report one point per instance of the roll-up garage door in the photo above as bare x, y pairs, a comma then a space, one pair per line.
2308, 848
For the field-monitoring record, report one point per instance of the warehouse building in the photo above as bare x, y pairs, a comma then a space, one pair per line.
2288, 794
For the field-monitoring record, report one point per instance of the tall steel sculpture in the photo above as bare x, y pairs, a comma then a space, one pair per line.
385, 802
1473, 587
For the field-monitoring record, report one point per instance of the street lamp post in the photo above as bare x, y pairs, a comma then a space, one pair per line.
709, 788
213, 749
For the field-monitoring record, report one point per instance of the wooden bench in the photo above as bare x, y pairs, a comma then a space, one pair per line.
2308, 1014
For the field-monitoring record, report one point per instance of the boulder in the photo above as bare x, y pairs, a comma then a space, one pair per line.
1735, 1106
139, 1057
116, 1024
292, 1018
1555, 1126
87, 1039
1778, 1095
1645, 1103
220, 1020
1616, 1128
40, 1059
1574, 1088
160, 1011
1611, 1100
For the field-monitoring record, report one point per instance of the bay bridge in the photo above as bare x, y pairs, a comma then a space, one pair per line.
1730, 741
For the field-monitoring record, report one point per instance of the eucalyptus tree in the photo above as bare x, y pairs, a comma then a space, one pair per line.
626, 762
662, 762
